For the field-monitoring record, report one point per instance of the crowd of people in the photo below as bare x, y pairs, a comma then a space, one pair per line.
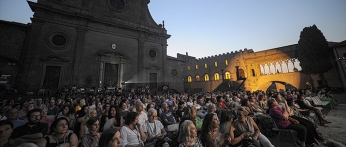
210, 119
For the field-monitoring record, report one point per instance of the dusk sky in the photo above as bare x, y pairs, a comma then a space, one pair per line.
204, 28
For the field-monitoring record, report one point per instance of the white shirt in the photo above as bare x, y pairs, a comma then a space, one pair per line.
152, 129
142, 118
130, 137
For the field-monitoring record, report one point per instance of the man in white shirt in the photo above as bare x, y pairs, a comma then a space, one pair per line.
142, 115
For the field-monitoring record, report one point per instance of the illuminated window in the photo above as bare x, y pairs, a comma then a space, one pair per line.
189, 79
206, 77
226, 62
205, 65
227, 75
215, 63
216, 76
188, 67
196, 66
198, 78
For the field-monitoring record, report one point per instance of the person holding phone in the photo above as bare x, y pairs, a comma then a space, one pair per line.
153, 129
132, 134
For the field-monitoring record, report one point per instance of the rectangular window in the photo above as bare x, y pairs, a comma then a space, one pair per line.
215, 63
196, 66
226, 62
205, 65
188, 67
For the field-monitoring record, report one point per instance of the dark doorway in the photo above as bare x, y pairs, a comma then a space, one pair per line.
153, 81
52, 77
241, 74
111, 74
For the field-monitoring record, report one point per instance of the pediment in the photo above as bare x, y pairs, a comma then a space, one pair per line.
115, 54
53, 59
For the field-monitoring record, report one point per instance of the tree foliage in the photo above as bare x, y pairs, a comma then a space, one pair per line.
313, 51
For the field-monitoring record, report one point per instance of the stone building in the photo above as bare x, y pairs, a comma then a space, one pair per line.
93, 44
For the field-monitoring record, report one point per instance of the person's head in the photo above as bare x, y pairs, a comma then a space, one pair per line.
59, 126
260, 97
44, 111
12, 114
187, 131
31, 106
278, 98
84, 110
67, 110
39, 100
123, 105
52, 102
290, 102
211, 108
131, 118
6, 129
242, 113
110, 138
244, 102
112, 112
34, 116
210, 122
300, 97
152, 114
219, 99
226, 116
139, 106
190, 113
93, 124
107, 106
165, 106
272, 103
92, 113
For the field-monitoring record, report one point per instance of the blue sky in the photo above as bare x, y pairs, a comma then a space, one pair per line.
204, 28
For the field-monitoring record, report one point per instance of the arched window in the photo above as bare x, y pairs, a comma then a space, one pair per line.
189, 79
226, 62
227, 75
206, 77
188, 67
198, 78
216, 76
205, 65
241, 73
253, 72
215, 64
196, 66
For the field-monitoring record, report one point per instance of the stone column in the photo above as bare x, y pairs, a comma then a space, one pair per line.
121, 75
102, 71
78, 54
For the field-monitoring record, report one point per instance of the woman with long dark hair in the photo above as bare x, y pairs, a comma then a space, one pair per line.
132, 133
113, 119
110, 138
210, 136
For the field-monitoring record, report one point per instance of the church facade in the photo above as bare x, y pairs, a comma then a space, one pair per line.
95, 44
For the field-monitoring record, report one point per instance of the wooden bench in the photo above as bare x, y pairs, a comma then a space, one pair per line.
317, 102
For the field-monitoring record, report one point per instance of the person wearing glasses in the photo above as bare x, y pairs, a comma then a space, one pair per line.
12, 116
153, 129
52, 108
33, 130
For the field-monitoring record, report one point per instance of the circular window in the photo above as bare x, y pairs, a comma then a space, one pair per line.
152, 54
117, 4
59, 40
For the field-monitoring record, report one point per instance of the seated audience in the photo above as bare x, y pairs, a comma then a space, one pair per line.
210, 136
110, 138
244, 123
167, 117
91, 139
153, 129
280, 117
32, 131
132, 133
12, 116
59, 135
188, 135
6, 129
